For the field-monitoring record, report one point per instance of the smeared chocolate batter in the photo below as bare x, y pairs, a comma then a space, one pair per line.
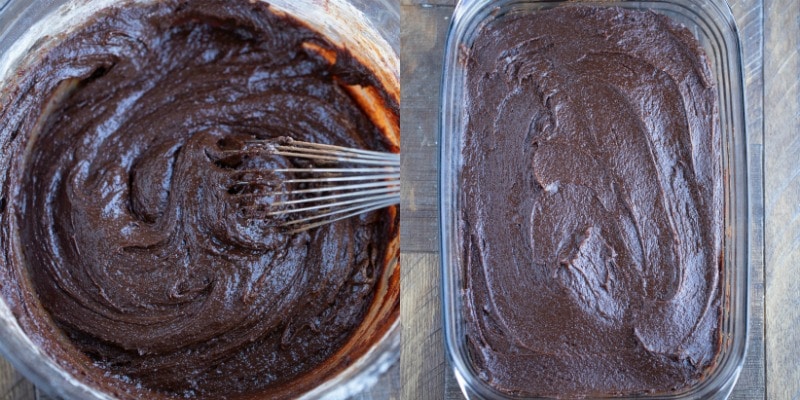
592, 204
137, 233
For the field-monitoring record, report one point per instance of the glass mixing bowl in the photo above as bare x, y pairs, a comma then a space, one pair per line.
369, 28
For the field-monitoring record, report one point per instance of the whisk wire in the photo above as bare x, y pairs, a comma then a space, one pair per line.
339, 188
348, 182
329, 147
387, 177
324, 152
356, 211
335, 196
378, 197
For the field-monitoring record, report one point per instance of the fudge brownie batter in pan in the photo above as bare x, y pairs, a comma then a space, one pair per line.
129, 254
591, 211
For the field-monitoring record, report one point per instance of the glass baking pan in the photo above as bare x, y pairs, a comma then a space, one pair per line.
712, 23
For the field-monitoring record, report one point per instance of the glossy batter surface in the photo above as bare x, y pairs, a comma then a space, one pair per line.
591, 205
135, 210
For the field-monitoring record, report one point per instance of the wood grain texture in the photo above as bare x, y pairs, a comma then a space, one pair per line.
423, 42
13, 386
422, 370
782, 189
421, 48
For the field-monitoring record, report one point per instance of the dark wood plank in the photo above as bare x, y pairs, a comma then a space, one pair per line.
782, 189
423, 367
422, 42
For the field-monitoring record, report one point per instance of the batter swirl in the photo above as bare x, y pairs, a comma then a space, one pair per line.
592, 212
137, 233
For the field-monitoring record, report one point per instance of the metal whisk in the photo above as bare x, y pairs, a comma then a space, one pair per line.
339, 183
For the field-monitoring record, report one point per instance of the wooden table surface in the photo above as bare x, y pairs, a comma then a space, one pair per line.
770, 34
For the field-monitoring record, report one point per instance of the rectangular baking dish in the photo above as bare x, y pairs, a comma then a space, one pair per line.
712, 23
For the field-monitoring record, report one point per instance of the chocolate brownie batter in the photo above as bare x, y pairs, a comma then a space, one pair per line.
592, 204
134, 251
